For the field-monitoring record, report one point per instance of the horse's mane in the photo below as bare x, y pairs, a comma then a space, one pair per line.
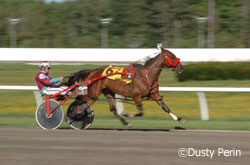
147, 59
139, 66
150, 59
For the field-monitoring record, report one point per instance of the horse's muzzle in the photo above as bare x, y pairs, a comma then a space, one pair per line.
179, 68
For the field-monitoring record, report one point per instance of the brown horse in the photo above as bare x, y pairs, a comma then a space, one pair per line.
144, 84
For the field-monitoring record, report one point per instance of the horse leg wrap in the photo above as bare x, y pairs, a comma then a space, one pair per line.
165, 108
140, 109
173, 116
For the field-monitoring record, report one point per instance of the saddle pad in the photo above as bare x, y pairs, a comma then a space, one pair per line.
113, 69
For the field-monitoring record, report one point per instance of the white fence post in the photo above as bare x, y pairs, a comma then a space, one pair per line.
38, 97
119, 104
203, 106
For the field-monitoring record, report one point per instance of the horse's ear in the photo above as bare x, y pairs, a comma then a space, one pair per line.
159, 46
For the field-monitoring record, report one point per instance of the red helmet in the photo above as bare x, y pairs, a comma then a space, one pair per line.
45, 64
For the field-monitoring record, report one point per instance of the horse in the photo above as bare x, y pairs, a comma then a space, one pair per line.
144, 84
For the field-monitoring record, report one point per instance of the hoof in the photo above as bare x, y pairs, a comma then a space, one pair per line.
181, 120
129, 125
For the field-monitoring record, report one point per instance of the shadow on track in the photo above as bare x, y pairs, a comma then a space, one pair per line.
131, 129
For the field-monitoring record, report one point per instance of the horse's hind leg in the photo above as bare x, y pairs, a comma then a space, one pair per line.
112, 104
139, 106
160, 101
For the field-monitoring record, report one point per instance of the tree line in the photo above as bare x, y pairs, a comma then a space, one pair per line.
134, 24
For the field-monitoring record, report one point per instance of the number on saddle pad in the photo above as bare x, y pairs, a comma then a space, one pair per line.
116, 69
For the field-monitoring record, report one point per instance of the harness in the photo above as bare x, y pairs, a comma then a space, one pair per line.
129, 71
151, 86
171, 64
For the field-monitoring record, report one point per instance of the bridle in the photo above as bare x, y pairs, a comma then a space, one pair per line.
173, 64
145, 72
170, 62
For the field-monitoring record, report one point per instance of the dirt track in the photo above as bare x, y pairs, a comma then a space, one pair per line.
112, 147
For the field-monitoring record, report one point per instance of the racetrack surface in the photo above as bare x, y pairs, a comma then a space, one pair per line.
34, 146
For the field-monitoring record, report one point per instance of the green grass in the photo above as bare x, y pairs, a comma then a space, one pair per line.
225, 108
167, 124
109, 123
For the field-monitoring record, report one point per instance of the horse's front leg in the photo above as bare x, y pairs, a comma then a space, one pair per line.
160, 102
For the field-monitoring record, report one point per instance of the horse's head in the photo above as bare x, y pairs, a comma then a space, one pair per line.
171, 61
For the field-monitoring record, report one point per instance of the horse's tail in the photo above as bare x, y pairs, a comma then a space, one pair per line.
77, 77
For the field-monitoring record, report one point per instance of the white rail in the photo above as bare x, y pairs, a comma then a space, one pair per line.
204, 89
200, 92
87, 55
7, 87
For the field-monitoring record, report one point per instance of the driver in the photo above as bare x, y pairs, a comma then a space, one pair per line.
46, 84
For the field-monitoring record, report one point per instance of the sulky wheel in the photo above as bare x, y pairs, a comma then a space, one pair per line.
80, 116
54, 120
